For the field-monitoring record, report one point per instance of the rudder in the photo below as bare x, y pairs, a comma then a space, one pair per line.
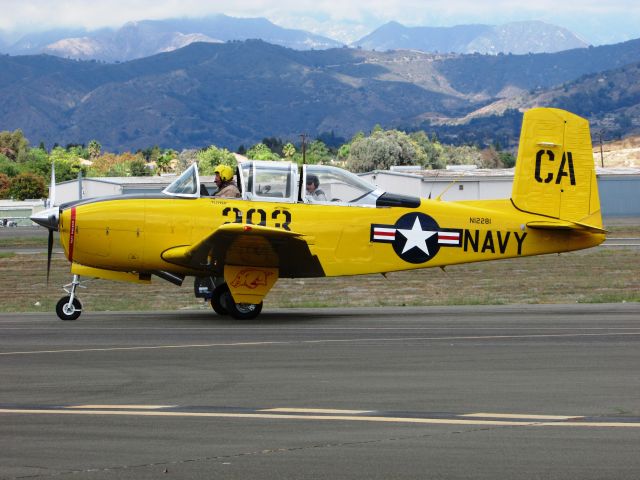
555, 172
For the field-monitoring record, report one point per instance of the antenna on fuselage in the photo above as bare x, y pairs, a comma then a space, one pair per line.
433, 182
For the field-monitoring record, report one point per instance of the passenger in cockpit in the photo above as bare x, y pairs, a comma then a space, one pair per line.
313, 192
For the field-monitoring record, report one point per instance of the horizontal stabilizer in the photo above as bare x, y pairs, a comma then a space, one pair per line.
562, 225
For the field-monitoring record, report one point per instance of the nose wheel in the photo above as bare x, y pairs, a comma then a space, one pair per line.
69, 307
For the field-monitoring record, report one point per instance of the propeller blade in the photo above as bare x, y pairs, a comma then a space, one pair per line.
49, 252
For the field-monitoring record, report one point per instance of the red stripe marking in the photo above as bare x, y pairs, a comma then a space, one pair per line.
72, 233
384, 234
451, 236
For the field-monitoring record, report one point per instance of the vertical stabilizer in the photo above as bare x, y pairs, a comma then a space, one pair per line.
555, 172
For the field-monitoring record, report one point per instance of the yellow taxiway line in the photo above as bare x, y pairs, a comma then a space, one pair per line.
314, 414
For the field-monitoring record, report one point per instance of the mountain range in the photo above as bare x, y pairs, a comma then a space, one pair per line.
239, 92
516, 37
149, 37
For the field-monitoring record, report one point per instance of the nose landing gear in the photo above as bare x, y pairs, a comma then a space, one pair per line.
69, 307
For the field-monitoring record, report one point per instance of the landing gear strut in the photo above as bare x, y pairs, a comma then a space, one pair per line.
69, 307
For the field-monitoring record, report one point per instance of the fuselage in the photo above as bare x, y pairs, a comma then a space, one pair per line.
130, 234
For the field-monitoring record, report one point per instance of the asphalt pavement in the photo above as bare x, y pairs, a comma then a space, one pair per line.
514, 392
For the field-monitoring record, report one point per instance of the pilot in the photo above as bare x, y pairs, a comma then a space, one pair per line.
313, 192
224, 180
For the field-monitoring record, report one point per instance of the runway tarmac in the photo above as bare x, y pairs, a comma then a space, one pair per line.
431, 392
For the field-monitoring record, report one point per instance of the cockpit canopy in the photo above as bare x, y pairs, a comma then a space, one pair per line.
269, 181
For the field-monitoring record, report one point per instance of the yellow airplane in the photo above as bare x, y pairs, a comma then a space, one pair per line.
237, 248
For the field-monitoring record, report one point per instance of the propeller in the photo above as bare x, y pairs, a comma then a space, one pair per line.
49, 252
49, 218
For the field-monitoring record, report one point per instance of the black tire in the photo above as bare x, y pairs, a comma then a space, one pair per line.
66, 312
219, 300
241, 311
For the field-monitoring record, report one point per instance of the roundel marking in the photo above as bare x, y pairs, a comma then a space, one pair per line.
415, 237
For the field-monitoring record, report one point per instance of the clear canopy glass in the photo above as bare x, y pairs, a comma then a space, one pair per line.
186, 185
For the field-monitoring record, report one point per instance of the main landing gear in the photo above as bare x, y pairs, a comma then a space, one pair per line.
69, 307
210, 288
217, 292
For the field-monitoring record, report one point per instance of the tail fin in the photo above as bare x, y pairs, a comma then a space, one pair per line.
555, 172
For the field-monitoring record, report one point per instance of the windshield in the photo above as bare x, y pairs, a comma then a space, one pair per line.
186, 185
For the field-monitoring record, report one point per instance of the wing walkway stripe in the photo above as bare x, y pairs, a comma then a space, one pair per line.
342, 418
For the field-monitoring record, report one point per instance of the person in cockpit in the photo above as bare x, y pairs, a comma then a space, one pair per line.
313, 192
227, 188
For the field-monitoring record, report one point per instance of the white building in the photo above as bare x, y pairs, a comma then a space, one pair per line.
619, 188
107, 186
453, 184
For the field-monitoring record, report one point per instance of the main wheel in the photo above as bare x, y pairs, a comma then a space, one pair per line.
66, 311
219, 300
245, 311
240, 311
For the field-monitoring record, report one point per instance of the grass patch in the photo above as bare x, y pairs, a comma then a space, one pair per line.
27, 242
609, 275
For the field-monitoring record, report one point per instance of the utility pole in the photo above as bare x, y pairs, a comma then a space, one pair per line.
303, 136
601, 154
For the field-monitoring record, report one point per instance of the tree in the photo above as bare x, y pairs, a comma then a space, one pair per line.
186, 158
5, 184
67, 163
213, 156
8, 167
274, 144
288, 151
12, 144
77, 150
94, 149
138, 168
124, 165
431, 148
151, 154
37, 161
382, 150
317, 152
261, 152
28, 185
343, 151
507, 159
167, 161
463, 155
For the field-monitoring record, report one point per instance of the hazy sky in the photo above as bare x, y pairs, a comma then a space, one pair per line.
596, 21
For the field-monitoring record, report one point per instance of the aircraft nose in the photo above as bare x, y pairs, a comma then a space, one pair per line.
47, 218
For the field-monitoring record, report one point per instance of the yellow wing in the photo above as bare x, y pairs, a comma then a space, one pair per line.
251, 246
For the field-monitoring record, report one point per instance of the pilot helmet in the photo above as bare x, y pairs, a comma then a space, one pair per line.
225, 172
